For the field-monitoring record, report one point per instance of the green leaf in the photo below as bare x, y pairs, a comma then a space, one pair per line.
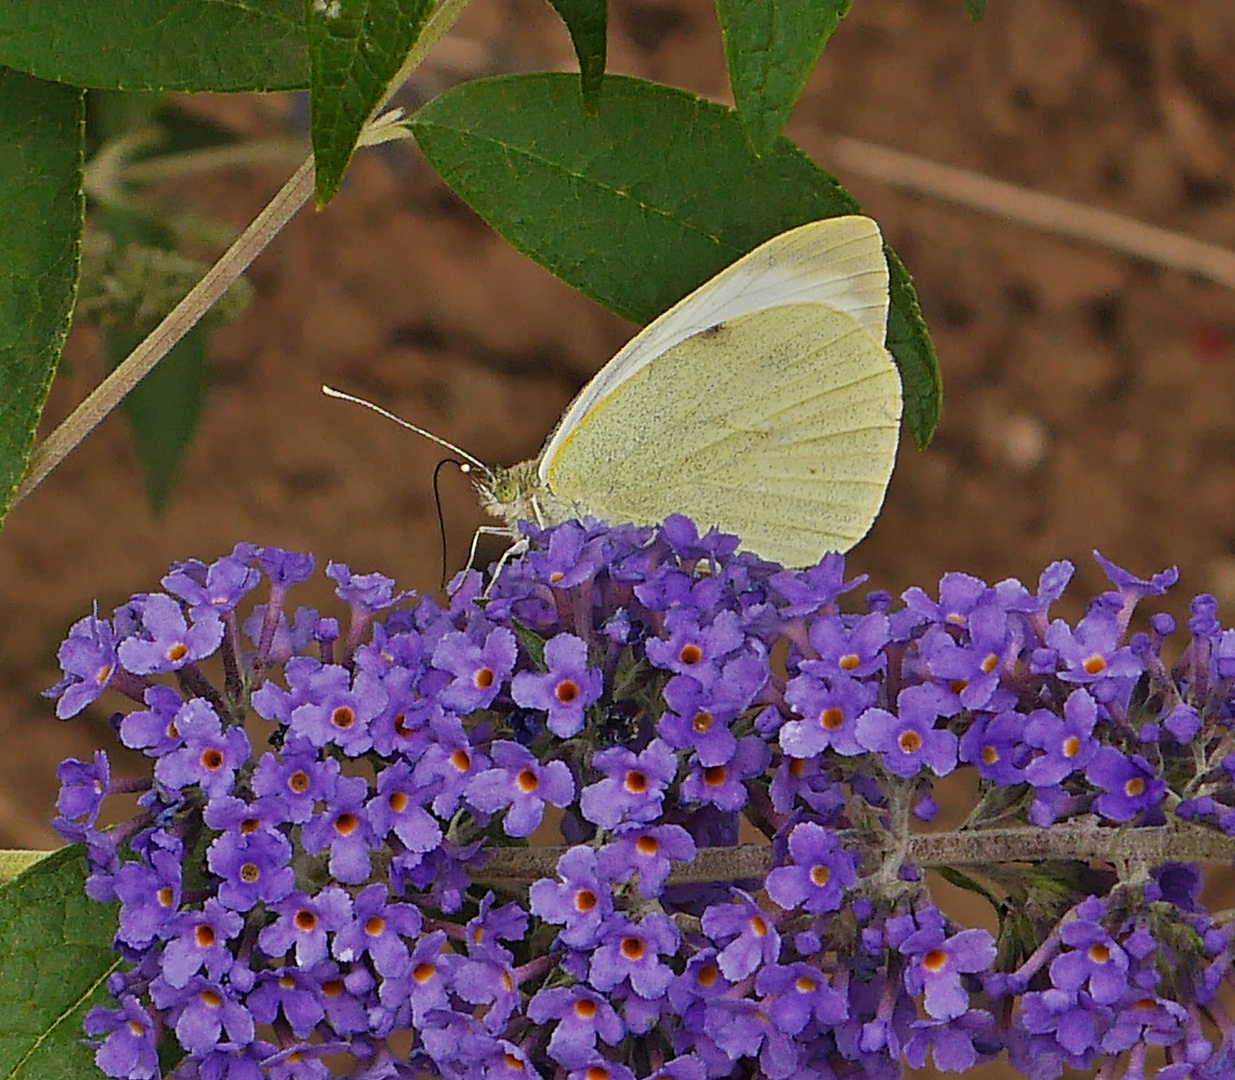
41, 139
355, 49
641, 204
771, 47
55, 955
165, 407
158, 44
910, 344
975, 9
588, 22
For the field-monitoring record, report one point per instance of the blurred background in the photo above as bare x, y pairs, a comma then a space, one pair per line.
1089, 396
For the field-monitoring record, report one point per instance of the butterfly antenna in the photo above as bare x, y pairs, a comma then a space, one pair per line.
330, 391
437, 501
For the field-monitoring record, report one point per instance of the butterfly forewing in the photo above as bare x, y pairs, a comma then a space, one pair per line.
838, 262
779, 425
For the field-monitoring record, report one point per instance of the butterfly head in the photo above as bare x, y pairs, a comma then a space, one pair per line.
510, 494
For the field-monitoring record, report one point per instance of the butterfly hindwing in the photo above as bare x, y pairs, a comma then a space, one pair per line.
779, 425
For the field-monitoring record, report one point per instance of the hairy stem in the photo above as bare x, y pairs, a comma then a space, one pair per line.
966, 848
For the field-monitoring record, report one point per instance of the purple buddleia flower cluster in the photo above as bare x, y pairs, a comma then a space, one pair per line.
325, 865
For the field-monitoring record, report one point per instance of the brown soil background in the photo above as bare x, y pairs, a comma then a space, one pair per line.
1088, 395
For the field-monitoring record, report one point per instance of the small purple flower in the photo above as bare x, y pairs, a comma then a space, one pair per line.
972, 670
524, 784
581, 903
1093, 961
700, 719
217, 588
993, 744
751, 937
480, 671
450, 762
645, 850
831, 716
377, 929
130, 1048
153, 730
83, 786
203, 1010
344, 828
724, 786
582, 1016
938, 964
285, 568
695, 650
634, 785
565, 690
255, 866
1091, 654
200, 940
1131, 589
149, 897
847, 652
820, 873
799, 992
299, 781
303, 923
429, 976
632, 951
339, 710
1067, 745
959, 594
398, 808
210, 755
167, 643
910, 741
294, 991
88, 659
368, 592
1129, 784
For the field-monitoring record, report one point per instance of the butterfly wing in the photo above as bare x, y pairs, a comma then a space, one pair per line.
779, 425
838, 262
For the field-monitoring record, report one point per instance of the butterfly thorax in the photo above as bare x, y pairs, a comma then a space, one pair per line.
518, 494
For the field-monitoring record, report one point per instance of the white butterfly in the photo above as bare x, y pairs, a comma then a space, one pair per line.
763, 403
